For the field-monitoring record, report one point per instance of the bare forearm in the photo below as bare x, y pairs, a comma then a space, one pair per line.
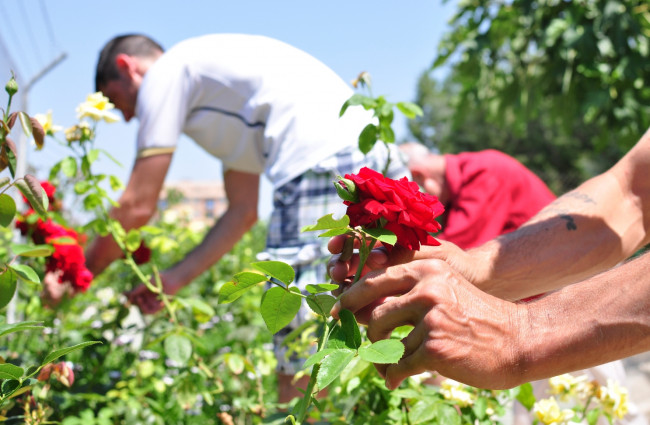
602, 319
582, 233
101, 253
220, 239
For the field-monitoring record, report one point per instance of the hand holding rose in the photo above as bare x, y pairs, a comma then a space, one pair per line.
452, 319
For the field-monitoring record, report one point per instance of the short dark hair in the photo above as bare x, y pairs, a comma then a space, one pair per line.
130, 44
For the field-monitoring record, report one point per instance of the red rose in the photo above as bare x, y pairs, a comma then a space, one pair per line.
142, 254
405, 210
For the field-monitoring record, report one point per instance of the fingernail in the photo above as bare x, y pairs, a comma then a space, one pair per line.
335, 310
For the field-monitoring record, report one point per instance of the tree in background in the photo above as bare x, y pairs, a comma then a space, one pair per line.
557, 84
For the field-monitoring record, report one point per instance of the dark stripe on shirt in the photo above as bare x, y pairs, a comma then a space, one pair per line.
230, 114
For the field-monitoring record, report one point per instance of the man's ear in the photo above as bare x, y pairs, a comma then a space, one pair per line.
126, 64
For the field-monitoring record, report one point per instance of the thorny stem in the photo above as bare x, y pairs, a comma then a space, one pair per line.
304, 404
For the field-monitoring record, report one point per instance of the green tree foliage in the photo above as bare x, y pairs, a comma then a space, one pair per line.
557, 84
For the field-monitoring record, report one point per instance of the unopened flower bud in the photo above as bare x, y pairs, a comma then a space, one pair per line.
12, 86
346, 190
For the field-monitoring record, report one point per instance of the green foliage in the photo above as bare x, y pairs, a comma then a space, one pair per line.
559, 85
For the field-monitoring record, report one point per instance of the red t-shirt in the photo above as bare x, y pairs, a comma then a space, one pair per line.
490, 193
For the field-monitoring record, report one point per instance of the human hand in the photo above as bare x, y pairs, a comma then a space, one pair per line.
343, 264
53, 290
149, 302
459, 331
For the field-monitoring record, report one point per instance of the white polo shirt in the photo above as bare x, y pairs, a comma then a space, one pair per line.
258, 104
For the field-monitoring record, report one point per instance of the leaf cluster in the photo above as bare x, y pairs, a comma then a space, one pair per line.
559, 85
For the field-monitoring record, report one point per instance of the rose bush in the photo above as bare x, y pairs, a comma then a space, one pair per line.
203, 358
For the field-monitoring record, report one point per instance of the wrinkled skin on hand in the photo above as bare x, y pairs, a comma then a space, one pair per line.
342, 271
459, 331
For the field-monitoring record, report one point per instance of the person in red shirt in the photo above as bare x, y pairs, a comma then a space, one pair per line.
485, 193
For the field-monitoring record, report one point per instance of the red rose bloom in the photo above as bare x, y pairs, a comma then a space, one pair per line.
68, 258
406, 211
142, 255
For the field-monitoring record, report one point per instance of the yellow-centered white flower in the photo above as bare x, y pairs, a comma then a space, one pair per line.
97, 107
549, 413
46, 122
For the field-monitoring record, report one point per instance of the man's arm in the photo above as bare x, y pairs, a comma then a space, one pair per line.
588, 230
483, 341
242, 191
137, 205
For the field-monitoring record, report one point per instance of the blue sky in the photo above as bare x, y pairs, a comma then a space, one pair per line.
394, 41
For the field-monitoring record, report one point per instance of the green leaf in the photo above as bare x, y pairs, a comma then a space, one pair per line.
526, 396
350, 329
321, 287
385, 351
92, 201
446, 414
235, 362
337, 338
367, 138
421, 412
115, 183
317, 357
10, 371
152, 230
4, 181
382, 235
328, 222
8, 387
277, 269
334, 232
32, 250
25, 123
279, 307
63, 240
7, 209
133, 240
34, 193
332, 366
321, 304
69, 167
25, 273
20, 326
244, 281
201, 310
593, 415
92, 156
32, 370
386, 133
410, 110
82, 187
479, 407
178, 348
7, 287
63, 351
355, 99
